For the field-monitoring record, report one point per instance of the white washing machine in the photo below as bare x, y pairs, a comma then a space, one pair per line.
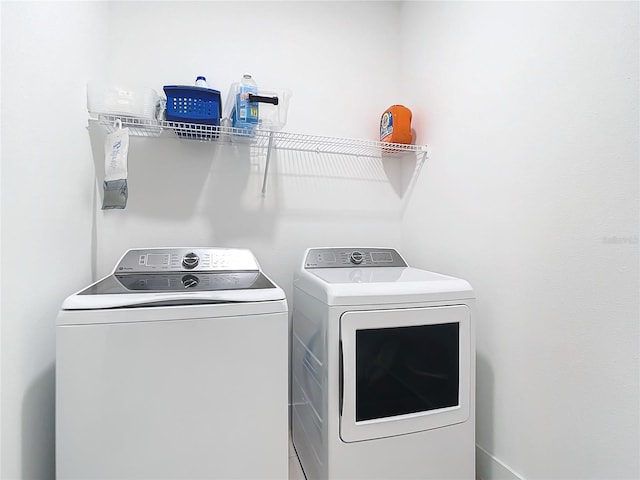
383, 368
175, 366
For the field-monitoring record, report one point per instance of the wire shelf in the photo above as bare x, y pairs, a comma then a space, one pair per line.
258, 138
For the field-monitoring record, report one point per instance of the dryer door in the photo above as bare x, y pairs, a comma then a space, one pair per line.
404, 370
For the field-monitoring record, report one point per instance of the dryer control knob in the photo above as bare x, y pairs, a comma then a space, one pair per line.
190, 260
356, 258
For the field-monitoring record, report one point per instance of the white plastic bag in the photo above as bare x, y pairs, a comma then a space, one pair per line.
116, 151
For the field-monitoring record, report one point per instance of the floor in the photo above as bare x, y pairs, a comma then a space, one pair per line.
295, 471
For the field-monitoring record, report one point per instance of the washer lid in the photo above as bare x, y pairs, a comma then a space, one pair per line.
185, 276
380, 285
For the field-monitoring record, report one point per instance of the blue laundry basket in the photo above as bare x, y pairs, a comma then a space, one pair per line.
194, 105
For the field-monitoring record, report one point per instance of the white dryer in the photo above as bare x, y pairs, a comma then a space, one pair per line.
175, 366
383, 368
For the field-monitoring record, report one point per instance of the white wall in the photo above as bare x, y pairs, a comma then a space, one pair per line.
531, 110
184, 193
54, 240
532, 113
48, 51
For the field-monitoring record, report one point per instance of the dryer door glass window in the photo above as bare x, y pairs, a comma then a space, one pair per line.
406, 370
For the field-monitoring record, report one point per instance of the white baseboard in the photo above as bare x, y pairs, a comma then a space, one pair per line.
489, 467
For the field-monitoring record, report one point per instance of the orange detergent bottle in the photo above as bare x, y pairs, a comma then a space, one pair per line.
395, 125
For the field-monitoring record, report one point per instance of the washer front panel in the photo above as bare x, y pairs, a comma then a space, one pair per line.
170, 399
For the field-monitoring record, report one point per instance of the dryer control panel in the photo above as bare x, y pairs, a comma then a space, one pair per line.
151, 260
353, 257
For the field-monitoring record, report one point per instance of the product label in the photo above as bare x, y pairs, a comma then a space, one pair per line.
247, 111
116, 152
386, 125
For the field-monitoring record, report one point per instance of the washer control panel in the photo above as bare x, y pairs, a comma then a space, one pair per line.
353, 257
186, 259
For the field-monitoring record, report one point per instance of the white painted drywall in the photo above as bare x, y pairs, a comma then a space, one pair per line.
54, 241
531, 110
48, 51
184, 193
531, 193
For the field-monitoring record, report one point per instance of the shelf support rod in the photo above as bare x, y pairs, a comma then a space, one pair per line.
266, 163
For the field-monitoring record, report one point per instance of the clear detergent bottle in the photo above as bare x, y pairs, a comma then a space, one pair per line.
245, 114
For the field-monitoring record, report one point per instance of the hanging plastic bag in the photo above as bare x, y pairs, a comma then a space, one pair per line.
116, 151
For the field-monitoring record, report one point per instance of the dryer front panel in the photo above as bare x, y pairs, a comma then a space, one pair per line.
404, 370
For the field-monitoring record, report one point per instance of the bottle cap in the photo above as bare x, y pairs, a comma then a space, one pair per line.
200, 77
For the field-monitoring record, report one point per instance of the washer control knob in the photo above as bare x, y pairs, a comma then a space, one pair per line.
190, 260
356, 258
190, 281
